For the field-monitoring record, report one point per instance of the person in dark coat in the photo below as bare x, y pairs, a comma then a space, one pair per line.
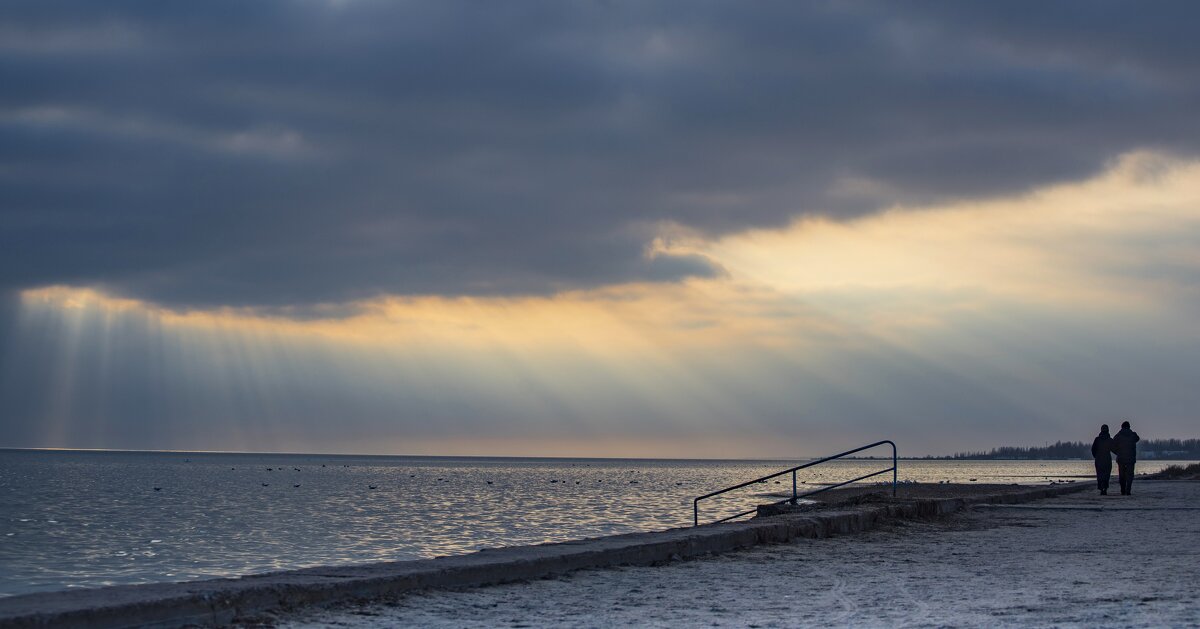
1124, 445
1102, 452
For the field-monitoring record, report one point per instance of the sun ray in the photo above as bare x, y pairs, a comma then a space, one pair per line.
854, 324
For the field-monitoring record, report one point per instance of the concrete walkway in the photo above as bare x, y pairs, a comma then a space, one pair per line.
219, 602
1075, 560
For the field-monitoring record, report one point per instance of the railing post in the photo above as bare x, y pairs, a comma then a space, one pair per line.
695, 513
793, 486
893, 469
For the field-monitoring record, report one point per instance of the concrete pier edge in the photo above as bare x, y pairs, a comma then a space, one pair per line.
222, 601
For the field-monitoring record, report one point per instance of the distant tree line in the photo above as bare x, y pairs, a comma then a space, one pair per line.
1172, 449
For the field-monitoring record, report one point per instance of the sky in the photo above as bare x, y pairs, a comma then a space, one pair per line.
645, 229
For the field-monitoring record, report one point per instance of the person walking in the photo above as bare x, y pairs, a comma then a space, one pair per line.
1124, 445
1102, 452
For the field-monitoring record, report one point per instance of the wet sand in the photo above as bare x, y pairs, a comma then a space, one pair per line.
1075, 560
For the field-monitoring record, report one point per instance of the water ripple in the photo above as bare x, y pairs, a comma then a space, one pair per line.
89, 519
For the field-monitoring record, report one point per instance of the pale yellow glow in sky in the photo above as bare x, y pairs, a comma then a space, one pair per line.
1065, 246
1059, 245
801, 304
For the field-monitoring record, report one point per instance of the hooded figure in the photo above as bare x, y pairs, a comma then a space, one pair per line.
1102, 452
1124, 445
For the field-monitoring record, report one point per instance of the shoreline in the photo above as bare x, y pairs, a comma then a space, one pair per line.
1076, 560
222, 601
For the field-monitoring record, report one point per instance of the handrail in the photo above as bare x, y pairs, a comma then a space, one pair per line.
792, 471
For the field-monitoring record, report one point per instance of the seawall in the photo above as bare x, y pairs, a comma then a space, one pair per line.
222, 601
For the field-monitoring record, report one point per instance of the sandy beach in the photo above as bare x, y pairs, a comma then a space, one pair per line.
428, 313
1075, 560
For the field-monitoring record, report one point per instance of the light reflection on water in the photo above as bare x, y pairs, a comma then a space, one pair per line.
87, 519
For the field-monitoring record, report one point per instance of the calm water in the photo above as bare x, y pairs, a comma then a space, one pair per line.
87, 519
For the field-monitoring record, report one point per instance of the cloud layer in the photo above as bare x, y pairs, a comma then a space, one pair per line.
955, 327
274, 154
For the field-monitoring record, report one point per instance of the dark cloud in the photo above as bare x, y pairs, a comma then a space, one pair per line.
295, 153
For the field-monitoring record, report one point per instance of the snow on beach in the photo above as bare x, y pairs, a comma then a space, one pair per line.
1079, 560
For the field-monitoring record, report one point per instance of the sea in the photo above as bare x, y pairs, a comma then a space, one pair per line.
85, 519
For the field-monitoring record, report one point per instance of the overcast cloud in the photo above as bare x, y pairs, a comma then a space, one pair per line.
294, 153
613, 228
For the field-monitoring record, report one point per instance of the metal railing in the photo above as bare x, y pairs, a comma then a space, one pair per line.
792, 471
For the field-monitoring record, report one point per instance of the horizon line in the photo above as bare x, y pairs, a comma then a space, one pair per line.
468, 456
440, 456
